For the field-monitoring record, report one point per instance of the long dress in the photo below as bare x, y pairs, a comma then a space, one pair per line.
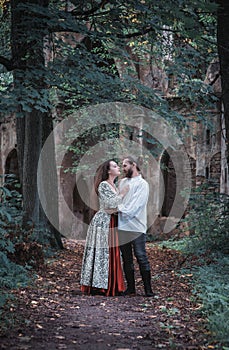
101, 266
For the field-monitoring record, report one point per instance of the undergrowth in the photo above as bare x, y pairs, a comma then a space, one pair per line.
22, 252
12, 275
208, 221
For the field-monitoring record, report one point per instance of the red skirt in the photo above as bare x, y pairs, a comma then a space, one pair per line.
115, 275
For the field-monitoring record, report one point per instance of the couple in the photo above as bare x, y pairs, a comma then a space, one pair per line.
101, 267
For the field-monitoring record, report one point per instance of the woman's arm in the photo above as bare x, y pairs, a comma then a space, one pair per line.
110, 198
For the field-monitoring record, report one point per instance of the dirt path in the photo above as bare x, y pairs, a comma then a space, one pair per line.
57, 316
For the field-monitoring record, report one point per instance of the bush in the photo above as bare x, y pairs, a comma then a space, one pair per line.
20, 250
212, 286
20, 247
208, 218
12, 275
10, 222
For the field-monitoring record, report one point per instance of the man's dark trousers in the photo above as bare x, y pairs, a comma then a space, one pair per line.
136, 241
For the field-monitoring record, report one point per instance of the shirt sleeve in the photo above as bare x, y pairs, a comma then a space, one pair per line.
109, 198
137, 202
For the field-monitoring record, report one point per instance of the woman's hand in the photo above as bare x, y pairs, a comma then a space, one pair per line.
124, 191
111, 211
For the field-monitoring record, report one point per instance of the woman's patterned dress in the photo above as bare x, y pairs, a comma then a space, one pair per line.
95, 264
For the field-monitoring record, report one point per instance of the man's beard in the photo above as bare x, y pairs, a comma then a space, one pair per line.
129, 173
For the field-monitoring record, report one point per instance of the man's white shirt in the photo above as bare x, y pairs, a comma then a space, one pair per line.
132, 212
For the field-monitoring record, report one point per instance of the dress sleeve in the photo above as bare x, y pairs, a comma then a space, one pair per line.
110, 199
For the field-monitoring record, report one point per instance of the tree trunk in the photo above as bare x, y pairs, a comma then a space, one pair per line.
33, 124
223, 50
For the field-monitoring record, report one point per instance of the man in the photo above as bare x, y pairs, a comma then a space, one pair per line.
132, 225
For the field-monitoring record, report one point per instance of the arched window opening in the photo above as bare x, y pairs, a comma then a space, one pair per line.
12, 171
208, 137
169, 177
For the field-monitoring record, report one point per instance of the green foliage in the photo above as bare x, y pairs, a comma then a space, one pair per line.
178, 37
208, 221
10, 204
12, 275
33, 242
40, 235
212, 287
208, 218
5, 80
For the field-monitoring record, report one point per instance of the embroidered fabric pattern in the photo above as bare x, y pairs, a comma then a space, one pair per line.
95, 264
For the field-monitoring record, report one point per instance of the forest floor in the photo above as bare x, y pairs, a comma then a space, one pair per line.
52, 313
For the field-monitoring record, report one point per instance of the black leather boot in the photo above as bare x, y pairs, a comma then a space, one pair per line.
130, 283
146, 277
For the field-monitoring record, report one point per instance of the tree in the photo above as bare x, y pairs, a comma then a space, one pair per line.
33, 122
84, 41
223, 50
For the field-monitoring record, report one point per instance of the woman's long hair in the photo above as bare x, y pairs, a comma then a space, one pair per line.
100, 175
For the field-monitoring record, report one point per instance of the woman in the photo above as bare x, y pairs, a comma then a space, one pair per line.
101, 267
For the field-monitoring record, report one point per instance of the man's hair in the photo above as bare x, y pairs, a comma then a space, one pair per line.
131, 160
138, 163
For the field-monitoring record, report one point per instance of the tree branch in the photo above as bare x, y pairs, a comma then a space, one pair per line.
91, 11
215, 79
8, 64
135, 34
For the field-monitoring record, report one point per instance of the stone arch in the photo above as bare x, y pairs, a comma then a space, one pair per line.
11, 167
11, 164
